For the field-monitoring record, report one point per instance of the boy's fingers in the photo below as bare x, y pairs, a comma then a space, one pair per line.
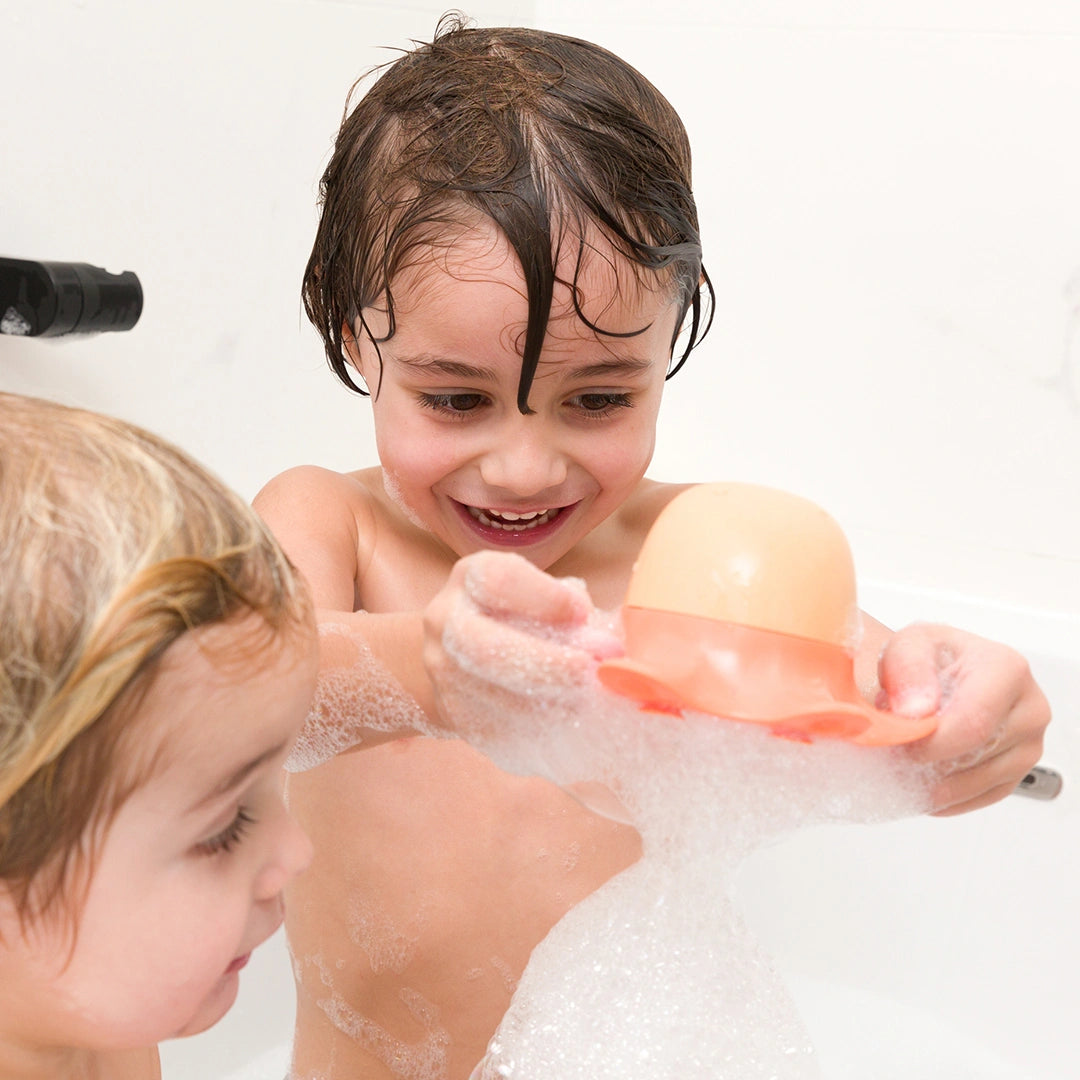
910, 672
988, 700
960, 793
991, 712
501, 583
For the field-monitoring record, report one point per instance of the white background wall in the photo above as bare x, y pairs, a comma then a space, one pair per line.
890, 195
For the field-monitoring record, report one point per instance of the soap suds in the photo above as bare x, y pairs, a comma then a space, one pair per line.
656, 975
355, 695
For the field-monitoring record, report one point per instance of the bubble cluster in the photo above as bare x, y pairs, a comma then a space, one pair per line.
395, 493
387, 947
355, 695
656, 976
423, 1060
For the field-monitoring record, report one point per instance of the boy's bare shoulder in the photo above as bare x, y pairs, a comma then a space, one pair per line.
316, 495
326, 522
639, 512
306, 481
605, 558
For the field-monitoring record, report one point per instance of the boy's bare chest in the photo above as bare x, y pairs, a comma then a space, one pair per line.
402, 568
407, 580
405, 573
402, 577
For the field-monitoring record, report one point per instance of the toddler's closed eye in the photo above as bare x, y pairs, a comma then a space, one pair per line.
224, 841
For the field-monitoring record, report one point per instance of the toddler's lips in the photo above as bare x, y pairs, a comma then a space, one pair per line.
238, 964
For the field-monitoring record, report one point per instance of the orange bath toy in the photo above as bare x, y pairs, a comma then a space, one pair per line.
742, 605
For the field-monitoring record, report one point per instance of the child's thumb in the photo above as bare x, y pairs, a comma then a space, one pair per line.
909, 673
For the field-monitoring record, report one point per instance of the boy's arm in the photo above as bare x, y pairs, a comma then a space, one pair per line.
317, 515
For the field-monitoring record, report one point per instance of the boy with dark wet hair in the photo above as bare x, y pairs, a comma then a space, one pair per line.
508, 260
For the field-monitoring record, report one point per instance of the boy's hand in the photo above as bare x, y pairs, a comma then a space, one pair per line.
992, 712
511, 653
508, 646
502, 636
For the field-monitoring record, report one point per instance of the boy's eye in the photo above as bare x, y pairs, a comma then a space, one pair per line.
229, 837
452, 403
602, 402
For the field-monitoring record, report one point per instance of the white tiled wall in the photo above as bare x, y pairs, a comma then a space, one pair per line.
890, 197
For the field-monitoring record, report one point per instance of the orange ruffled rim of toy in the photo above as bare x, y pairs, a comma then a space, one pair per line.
801, 689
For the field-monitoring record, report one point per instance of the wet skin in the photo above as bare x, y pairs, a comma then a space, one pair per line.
435, 873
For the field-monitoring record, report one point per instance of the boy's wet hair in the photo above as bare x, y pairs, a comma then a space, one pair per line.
551, 138
113, 544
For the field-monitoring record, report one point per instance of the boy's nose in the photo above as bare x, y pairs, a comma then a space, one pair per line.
524, 461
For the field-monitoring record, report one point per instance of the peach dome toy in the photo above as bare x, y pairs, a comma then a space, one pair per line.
742, 604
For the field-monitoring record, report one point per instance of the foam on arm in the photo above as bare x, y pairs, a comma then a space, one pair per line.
359, 701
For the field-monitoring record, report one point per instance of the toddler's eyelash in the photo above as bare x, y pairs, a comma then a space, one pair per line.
230, 836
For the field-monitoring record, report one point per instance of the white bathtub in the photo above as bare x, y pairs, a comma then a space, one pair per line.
913, 943
924, 949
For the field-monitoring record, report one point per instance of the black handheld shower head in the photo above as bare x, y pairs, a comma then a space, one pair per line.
51, 298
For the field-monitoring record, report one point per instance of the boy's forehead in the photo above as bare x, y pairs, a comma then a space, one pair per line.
608, 288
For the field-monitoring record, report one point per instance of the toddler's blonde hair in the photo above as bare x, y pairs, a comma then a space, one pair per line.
113, 544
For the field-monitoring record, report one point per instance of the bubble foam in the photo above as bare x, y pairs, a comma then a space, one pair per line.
425, 1059
656, 976
355, 695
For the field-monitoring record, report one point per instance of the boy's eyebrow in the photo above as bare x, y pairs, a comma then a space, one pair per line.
235, 779
442, 366
615, 365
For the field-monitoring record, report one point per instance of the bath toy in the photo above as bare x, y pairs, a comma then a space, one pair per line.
742, 604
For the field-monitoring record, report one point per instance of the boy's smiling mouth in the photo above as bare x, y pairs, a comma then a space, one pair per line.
511, 521
515, 528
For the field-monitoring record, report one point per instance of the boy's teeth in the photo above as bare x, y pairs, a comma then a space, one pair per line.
511, 522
